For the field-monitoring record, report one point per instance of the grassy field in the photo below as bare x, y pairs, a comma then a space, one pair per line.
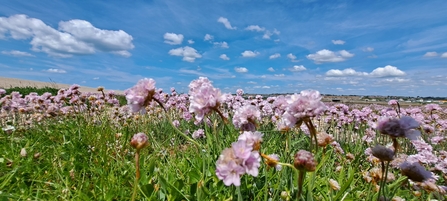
84, 153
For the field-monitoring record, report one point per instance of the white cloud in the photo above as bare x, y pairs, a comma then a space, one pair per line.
292, 57
17, 53
444, 55
387, 71
74, 37
396, 79
325, 55
274, 56
189, 54
338, 42
173, 39
208, 37
225, 22
279, 75
241, 69
122, 53
345, 72
297, 68
221, 44
190, 42
255, 28
251, 82
55, 70
248, 53
431, 54
224, 57
368, 49
265, 87
268, 34
372, 56
271, 69
96, 78
345, 54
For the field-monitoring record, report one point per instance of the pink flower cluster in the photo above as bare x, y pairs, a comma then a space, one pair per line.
140, 95
239, 159
203, 97
245, 118
403, 127
306, 104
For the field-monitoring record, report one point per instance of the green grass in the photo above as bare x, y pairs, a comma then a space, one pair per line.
81, 158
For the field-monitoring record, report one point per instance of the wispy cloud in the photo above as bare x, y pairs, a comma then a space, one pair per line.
17, 53
226, 23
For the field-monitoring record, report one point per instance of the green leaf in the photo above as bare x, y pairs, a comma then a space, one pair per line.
346, 184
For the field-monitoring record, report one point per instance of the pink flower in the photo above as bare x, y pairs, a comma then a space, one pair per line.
198, 134
238, 160
245, 118
393, 102
403, 127
415, 171
305, 160
203, 97
140, 95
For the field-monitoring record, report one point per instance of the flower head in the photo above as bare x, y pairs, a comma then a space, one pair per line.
403, 127
415, 171
203, 97
305, 160
140, 95
139, 141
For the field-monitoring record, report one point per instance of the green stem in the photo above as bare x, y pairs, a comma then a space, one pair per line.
137, 177
301, 176
239, 194
175, 128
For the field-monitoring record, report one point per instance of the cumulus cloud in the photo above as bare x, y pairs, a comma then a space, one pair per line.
338, 42
255, 28
221, 44
173, 39
297, 68
368, 49
292, 57
74, 37
190, 41
248, 53
55, 70
271, 69
17, 53
225, 22
274, 56
241, 69
387, 71
189, 54
343, 73
431, 54
208, 37
325, 55
444, 55
224, 57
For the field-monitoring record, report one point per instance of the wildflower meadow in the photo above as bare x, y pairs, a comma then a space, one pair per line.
209, 145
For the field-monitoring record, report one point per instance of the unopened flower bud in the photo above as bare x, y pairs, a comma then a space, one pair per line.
37, 155
334, 184
139, 141
100, 88
23, 152
383, 153
304, 160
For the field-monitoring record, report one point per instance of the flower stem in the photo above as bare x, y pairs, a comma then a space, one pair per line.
137, 177
301, 175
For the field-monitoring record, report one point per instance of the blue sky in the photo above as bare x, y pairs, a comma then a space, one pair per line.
271, 46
